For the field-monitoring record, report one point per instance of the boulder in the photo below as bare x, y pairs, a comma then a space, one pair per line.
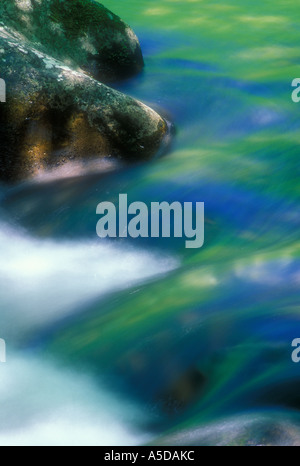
81, 33
55, 113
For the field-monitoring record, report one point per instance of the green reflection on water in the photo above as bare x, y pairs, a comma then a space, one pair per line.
232, 309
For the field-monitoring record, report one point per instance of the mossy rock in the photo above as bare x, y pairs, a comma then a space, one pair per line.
54, 114
82, 33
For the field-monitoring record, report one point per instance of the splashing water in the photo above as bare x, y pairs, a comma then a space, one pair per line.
51, 279
42, 404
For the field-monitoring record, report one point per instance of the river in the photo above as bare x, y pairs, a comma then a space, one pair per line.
137, 341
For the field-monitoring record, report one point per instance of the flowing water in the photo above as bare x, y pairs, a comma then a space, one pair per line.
140, 341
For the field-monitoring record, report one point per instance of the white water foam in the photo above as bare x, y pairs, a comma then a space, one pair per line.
44, 280
44, 405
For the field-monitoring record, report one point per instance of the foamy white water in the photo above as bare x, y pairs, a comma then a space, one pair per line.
42, 405
44, 280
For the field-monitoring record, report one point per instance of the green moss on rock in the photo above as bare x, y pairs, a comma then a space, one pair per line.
55, 113
82, 33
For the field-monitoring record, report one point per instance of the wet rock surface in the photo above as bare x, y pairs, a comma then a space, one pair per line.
55, 113
81, 33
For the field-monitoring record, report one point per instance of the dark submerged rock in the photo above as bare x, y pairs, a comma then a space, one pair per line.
270, 428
